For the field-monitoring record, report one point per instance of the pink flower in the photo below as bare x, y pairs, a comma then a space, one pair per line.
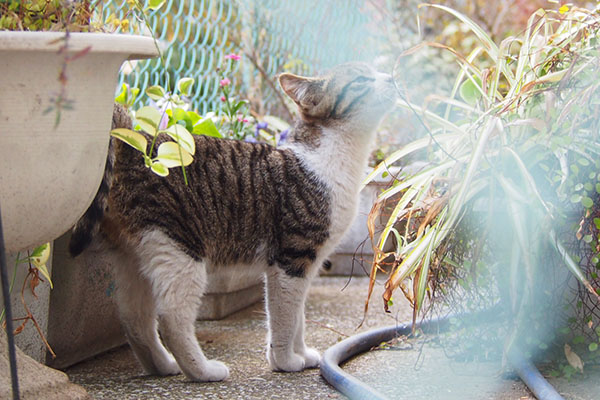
233, 57
223, 98
224, 82
243, 120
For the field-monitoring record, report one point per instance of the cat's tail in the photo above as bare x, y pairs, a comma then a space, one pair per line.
89, 224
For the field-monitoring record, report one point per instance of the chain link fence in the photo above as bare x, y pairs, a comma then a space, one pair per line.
273, 36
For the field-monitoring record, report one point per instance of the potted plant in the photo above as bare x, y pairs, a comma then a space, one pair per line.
58, 83
56, 102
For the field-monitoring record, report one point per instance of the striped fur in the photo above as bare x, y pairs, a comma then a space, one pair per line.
248, 207
87, 226
236, 208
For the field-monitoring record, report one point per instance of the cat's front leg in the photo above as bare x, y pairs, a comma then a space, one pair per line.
285, 309
311, 356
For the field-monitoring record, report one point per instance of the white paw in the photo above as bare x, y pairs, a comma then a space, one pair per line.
286, 363
312, 358
216, 371
168, 367
211, 371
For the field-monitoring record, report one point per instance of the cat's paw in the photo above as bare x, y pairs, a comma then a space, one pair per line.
312, 358
286, 363
211, 371
168, 367
216, 371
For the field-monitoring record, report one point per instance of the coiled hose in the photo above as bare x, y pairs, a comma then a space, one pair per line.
354, 345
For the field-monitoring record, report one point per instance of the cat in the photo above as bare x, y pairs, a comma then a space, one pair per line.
273, 211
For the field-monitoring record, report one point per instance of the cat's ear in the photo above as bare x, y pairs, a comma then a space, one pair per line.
294, 86
307, 93
300, 89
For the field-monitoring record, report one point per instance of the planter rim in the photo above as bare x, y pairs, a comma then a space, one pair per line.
144, 46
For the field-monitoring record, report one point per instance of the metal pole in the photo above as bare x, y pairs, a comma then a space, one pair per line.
8, 316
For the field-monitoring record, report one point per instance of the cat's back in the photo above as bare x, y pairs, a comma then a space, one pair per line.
239, 198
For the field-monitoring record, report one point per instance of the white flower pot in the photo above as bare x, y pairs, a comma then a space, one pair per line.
49, 176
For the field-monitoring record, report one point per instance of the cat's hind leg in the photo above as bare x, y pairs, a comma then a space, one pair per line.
286, 295
178, 283
137, 312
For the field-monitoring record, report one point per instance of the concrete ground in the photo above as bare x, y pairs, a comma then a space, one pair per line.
334, 310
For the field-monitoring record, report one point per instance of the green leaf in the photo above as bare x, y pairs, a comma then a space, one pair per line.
155, 4
149, 128
207, 127
127, 96
470, 90
587, 202
44, 270
179, 114
170, 154
576, 198
132, 138
193, 117
182, 136
42, 253
238, 105
159, 168
150, 116
597, 223
39, 258
593, 346
184, 85
155, 92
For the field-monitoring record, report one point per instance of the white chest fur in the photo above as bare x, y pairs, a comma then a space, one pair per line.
339, 161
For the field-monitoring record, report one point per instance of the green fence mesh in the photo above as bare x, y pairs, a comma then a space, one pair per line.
302, 36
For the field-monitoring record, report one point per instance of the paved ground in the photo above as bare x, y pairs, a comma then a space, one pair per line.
334, 310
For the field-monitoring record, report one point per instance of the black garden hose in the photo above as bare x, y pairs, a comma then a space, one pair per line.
12, 357
354, 389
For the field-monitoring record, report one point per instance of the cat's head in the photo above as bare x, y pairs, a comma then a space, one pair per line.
353, 95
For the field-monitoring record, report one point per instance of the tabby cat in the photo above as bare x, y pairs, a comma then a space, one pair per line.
247, 206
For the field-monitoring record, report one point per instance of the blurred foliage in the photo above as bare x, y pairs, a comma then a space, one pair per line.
506, 206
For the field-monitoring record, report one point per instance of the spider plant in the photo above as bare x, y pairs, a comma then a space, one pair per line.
516, 142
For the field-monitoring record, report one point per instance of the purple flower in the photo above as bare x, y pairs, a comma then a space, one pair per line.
283, 136
250, 139
164, 121
233, 57
259, 126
